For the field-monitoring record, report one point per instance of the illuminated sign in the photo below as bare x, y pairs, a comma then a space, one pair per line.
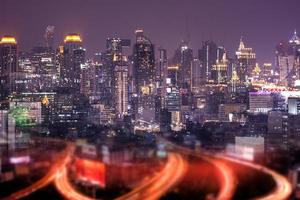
90, 171
19, 160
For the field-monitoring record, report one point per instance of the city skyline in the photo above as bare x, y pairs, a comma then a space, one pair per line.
197, 21
144, 100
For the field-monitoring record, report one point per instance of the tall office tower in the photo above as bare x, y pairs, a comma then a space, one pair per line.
219, 71
295, 44
45, 68
114, 49
183, 58
8, 69
144, 74
197, 75
161, 85
74, 56
246, 59
144, 63
49, 37
208, 56
161, 68
287, 60
121, 86
87, 79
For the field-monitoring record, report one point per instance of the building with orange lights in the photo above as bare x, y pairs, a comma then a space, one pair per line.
73, 58
246, 59
8, 68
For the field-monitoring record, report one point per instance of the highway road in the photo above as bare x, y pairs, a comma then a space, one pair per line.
48, 178
283, 188
65, 188
157, 186
151, 189
227, 177
163, 180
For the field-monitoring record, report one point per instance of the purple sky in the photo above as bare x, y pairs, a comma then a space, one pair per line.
263, 23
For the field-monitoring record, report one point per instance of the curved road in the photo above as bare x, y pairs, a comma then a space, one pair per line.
152, 189
227, 179
172, 173
48, 178
283, 187
63, 185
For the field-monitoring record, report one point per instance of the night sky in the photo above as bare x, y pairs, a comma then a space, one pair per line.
262, 23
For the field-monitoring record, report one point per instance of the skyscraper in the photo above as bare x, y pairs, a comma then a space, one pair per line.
287, 60
161, 68
246, 59
197, 75
8, 68
208, 57
144, 63
74, 56
219, 71
144, 74
183, 58
121, 87
114, 49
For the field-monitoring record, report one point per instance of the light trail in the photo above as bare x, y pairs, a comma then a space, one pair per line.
171, 174
63, 185
283, 188
227, 179
48, 178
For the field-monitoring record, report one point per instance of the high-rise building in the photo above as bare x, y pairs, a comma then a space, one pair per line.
87, 78
219, 71
208, 56
144, 75
288, 60
144, 63
161, 68
114, 49
8, 68
121, 87
285, 60
246, 59
74, 56
183, 58
197, 75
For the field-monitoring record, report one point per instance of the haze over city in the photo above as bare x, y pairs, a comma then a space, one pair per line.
262, 23
148, 100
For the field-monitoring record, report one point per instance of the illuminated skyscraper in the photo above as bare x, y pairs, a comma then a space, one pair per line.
8, 68
219, 71
144, 63
287, 60
144, 75
74, 56
197, 75
121, 87
114, 49
161, 69
183, 58
246, 59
